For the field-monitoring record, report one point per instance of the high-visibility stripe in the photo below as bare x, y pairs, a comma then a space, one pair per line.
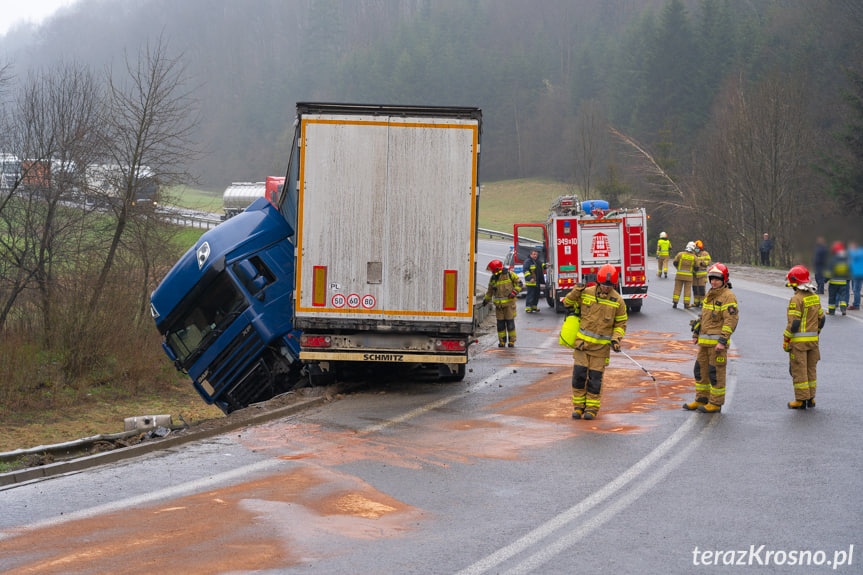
594, 337
805, 336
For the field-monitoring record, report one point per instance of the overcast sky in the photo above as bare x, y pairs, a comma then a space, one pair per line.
20, 11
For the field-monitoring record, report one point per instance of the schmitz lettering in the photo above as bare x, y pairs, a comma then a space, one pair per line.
394, 357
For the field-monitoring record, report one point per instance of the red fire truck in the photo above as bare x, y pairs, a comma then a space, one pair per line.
579, 237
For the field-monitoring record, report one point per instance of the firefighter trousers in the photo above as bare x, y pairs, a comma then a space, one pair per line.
505, 315
802, 367
698, 290
710, 375
587, 372
684, 285
661, 265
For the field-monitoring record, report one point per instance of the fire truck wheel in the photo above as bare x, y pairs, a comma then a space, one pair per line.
550, 301
634, 307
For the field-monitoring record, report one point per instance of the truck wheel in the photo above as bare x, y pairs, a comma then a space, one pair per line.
634, 307
447, 375
319, 377
549, 300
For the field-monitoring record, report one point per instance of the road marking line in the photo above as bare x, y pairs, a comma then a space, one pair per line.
542, 557
549, 527
431, 406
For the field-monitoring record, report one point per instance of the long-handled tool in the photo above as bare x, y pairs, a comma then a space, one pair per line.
655, 387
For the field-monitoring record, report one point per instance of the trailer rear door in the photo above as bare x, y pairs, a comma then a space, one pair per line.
387, 217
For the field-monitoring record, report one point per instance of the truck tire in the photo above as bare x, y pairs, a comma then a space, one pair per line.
549, 300
446, 375
318, 377
634, 306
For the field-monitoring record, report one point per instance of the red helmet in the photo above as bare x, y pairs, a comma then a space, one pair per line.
607, 275
797, 275
718, 271
837, 247
495, 266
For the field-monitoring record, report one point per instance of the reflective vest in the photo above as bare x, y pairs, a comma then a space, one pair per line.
662, 247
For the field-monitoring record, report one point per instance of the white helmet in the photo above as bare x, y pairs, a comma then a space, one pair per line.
663, 235
690, 247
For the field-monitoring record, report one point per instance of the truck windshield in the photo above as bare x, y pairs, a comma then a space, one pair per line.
206, 316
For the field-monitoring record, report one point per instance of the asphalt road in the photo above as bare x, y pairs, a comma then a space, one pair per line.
491, 475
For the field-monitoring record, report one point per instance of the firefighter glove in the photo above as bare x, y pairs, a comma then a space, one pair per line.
786, 344
484, 302
513, 294
695, 326
615, 345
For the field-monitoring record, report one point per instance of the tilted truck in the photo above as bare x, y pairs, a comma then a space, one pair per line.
579, 237
370, 258
240, 195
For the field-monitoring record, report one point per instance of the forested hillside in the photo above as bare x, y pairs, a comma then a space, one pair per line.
721, 115
724, 118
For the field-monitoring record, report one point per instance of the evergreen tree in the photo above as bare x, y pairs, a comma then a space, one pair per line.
845, 170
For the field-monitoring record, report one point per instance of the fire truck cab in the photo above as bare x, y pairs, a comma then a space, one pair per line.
579, 237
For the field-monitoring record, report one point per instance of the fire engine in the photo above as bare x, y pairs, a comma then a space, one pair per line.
579, 237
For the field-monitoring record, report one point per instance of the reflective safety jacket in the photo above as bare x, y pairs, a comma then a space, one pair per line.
662, 247
702, 262
501, 286
805, 319
532, 272
838, 271
603, 317
685, 264
719, 316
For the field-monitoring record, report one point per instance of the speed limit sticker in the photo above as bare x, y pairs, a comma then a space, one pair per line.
369, 301
353, 300
339, 300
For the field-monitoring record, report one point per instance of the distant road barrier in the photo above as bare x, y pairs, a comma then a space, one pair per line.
495, 234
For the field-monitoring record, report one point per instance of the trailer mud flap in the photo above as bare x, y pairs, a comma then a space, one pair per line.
379, 356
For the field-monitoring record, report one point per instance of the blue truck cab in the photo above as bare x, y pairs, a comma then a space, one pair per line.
225, 310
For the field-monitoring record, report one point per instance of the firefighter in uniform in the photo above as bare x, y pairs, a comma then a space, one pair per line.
685, 264
533, 279
699, 278
719, 316
800, 339
603, 325
503, 288
663, 246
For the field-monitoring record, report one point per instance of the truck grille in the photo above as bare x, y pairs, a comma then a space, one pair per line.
235, 363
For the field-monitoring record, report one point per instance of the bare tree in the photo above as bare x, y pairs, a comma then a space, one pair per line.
591, 144
150, 122
52, 132
755, 177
